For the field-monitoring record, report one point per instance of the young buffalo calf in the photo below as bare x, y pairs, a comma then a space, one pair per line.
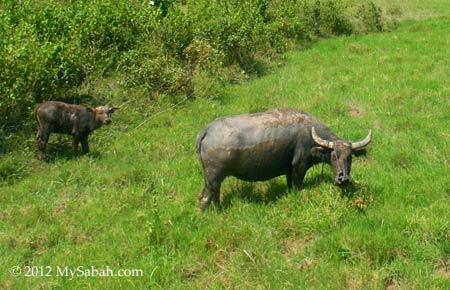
78, 121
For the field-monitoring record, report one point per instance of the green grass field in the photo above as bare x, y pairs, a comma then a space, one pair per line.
132, 202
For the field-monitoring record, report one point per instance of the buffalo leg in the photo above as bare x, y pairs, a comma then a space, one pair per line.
289, 180
84, 144
296, 176
210, 192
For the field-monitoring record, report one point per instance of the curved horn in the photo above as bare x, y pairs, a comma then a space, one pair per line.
320, 141
362, 143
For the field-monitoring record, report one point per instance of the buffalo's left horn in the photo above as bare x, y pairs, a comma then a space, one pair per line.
362, 143
320, 141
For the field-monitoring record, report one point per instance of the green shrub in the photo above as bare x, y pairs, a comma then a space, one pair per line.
325, 18
152, 70
49, 48
236, 29
369, 18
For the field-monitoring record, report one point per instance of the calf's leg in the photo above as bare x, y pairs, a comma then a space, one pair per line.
75, 141
42, 137
84, 144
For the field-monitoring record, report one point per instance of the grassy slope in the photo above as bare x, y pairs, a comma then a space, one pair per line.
416, 9
131, 204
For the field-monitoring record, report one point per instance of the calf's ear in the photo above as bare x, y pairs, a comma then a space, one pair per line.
113, 109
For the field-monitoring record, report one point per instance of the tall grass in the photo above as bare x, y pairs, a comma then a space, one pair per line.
131, 203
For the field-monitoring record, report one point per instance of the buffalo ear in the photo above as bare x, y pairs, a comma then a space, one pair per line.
318, 151
361, 152
113, 109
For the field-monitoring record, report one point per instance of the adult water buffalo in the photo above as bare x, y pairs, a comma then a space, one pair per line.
261, 146
75, 120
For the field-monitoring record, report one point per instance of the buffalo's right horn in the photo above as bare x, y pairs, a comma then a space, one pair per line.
320, 141
362, 143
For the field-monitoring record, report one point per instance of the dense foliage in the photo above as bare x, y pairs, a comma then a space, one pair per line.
48, 49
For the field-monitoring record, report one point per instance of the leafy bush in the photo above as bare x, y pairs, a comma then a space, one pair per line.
325, 18
49, 48
369, 18
152, 70
234, 27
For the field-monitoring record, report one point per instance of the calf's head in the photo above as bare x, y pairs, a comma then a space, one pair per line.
339, 154
103, 114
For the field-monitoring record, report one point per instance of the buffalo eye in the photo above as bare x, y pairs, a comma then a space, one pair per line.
333, 157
